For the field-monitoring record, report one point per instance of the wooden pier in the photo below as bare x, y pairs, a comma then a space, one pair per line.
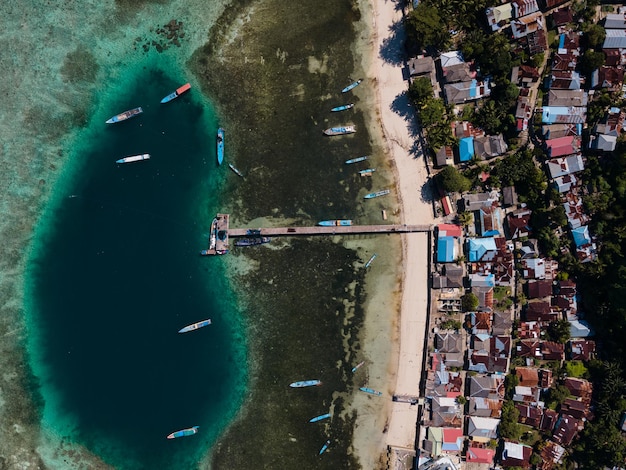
221, 232
335, 230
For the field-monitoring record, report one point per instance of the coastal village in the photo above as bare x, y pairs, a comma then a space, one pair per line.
505, 383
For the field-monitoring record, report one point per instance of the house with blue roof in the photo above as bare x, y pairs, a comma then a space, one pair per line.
481, 249
581, 236
446, 250
466, 149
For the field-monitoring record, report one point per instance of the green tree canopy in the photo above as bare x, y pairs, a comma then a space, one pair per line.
452, 181
594, 35
469, 302
591, 60
559, 331
509, 427
432, 111
424, 28
420, 90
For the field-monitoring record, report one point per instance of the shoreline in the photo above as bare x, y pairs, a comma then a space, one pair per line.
394, 425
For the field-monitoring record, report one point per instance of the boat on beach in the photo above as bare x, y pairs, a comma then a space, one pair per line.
343, 108
352, 85
319, 418
371, 391
370, 261
134, 158
125, 115
333, 223
305, 383
195, 326
324, 447
355, 368
175, 94
340, 130
235, 170
184, 432
382, 192
356, 160
220, 146
367, 172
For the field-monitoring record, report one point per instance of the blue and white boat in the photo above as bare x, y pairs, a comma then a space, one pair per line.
355, 368
335, 223
371, 391
367, 172
343, 108
195, 326
340, 130
134, 158
370, 261
184, 432
382, 192
125, 115
356, 160
352, 85
319, 418
220, 146
305, 383
324, 447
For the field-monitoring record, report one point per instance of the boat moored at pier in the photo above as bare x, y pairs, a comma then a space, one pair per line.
333, 223
125, 115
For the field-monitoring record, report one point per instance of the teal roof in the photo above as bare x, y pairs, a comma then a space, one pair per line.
445, 250
466, 149
477, 247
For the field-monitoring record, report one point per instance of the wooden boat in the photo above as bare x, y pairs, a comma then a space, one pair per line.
175, 94
343, 108
184, 432
356, 160
382, 192
220, 146
340, 130
235, 170
125, 115
134, 158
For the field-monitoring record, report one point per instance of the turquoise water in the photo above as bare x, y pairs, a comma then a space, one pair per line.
118, 274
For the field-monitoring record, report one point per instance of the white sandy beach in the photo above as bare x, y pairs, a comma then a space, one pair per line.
384, 71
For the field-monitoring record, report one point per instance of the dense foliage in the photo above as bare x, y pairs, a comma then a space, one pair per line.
452, 181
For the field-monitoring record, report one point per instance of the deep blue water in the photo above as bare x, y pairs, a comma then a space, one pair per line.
119, 274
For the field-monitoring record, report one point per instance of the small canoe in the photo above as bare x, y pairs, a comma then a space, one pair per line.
367, 172
175, 94
371, 391
356, 160
324, 447
235, 170
382, 192
355, 368
220, 146
352, 85
183, 432
371, 260
319, 418
343, 108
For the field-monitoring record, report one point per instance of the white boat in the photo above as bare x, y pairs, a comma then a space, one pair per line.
382, 192
195, 326
134, 158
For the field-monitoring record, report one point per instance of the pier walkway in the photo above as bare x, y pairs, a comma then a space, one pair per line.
336, 230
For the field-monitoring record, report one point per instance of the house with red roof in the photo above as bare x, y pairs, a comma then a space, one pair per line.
562, 146
479, 455
452, 440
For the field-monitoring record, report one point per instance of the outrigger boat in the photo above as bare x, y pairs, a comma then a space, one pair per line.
352, 85
369, 263
319, 418
355, 368
371, 391
134, 158
382, 192
324, 447
195, 326
175, 94
305, 383
343, 108
220, 146
340, 130
333, 223
356, 160
125, 115
237, 172
184, 432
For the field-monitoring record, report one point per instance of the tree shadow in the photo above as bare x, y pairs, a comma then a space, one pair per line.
403, 107
392, 49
